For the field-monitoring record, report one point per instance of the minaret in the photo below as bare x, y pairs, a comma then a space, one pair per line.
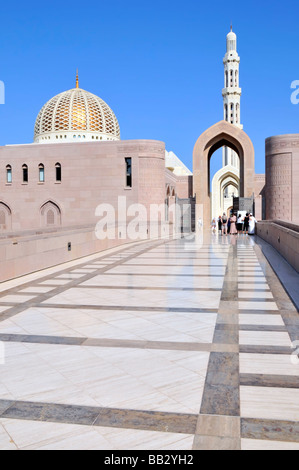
231, 94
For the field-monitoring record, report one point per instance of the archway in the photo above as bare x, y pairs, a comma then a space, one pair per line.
222, 134
223, 178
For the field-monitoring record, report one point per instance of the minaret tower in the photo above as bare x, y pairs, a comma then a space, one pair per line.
231, 94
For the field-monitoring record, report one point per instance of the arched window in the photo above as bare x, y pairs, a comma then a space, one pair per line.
226, 78
232, 113
8, 174
25, 173
128, 162
231, 78
41, 171
236, 78
58, 172
226, 112
5, 217
50, 215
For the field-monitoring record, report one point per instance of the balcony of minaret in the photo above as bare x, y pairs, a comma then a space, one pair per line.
231, 90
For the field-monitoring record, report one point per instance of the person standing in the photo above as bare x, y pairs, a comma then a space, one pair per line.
213, 225
219, 224
233, 226
252, 222
224, 223
246, 223
240, 223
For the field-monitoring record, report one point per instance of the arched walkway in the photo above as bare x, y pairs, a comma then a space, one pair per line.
226, 176
217, 136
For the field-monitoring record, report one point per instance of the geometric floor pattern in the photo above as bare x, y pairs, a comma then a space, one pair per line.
181, 344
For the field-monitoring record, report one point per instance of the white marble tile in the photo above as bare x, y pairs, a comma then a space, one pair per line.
69, 275
139, 298
269, 403
267, 319
16, 299
272, 364
256, 444
132, 280
113, 377
6, 441
254, 286
55, 282
39, 289
254, 295
32, 435
247, 305
265, 338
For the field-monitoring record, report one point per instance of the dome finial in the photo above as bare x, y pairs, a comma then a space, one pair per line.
77, 79
231, 26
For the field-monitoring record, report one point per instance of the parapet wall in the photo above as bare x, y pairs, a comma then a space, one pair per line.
27, 252
284, 237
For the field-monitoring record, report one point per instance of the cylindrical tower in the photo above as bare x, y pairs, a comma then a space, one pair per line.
282, 168
231, 94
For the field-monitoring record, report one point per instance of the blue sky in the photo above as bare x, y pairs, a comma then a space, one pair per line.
157, 64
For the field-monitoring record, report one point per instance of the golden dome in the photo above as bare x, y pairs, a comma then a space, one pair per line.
75, 115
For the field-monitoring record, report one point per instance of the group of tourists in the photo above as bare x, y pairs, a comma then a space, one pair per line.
234, 224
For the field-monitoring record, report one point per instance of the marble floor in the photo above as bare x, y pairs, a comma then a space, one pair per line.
164, 345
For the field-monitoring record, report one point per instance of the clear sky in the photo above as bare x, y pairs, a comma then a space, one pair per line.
157, 64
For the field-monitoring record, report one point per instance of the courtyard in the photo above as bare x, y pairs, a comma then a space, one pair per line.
181, 344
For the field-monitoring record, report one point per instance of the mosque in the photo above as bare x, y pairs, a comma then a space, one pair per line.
50, 189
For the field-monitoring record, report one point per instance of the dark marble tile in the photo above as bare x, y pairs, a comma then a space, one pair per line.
267, 380
226, 334
52, 412
260, 349
262, 328
42, 339
223, 369
4, 405
221, 392
287, 431
147, 420
221, 400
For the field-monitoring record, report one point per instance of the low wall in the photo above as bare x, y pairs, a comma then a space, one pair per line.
283, 236
23, 253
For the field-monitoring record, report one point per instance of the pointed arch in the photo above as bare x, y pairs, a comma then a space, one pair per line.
5, 217
222, 134
50, 214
